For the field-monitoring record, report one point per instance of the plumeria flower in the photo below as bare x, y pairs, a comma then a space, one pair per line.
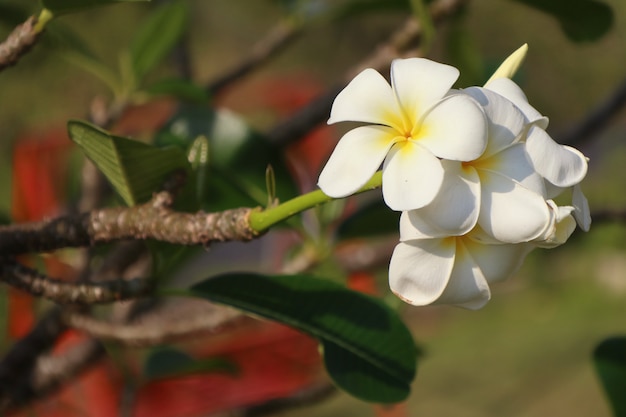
560, 165
410, 125
457, 270
453, 270
500, 191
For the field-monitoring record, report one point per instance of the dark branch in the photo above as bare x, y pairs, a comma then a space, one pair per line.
21, 358
597, 119
275, 41
605, 216
63, 292
52, 371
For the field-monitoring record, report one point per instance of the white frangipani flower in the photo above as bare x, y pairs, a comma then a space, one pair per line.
499, 191
457, 270
453, 270
412, 123
560, 165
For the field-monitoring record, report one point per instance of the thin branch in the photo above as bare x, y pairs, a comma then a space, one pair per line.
274, 42
20, 360
18, 368
52, 371
606, 216
18, 43
597, 119
404, 41
159, 326
153, 220
63, 292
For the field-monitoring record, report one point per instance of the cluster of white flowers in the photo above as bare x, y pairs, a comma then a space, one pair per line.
473, 172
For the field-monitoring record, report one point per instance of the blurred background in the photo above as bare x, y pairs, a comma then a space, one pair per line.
528, 352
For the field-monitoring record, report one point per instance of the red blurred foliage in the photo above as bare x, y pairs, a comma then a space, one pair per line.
273, 361
38, 182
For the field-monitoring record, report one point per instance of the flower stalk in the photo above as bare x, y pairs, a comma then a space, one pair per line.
260, 221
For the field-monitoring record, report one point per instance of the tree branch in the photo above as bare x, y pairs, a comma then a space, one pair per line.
274, 42
52, 371
405, 40
153, 220
63, 292
597, 119
164, 325
19, 42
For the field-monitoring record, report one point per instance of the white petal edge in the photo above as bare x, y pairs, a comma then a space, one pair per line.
420, 269
510, 212
357, 156
581, 208
562, 165
467, 287
511, 91
367, 98
412, 177
419, 83
505, 121
455, 128
454, 211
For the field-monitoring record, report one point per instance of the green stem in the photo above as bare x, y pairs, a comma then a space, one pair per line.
44, 17
260, 221
422, 14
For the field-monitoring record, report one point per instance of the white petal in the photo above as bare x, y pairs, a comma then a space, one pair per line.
563, 225
498, 262
356, 158
367, 98
413, 227
581, 208
412, 176
467, 286
509, 67
514, 162
419, 83
511, 91
420, 269
506, 121
510, 212
552, 191
455, 128
562, 165
454, 211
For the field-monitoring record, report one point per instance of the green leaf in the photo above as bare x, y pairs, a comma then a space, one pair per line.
59, 7
373, 219
156, 37
168, 362
581, 20
179, 88
238, 157
134, 169
368, 351
610, 362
